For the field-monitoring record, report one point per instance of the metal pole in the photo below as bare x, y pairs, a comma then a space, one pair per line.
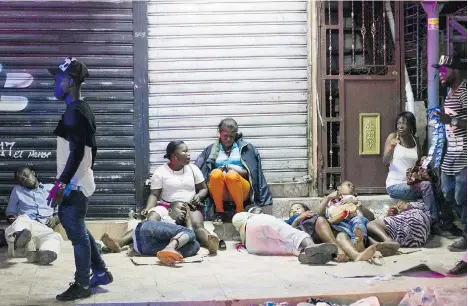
418, 46
432, 9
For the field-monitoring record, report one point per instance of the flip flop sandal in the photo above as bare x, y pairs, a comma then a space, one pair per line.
168, 257
222, 245
377, 259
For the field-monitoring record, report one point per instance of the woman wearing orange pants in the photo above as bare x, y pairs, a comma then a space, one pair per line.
228, 186
232, 168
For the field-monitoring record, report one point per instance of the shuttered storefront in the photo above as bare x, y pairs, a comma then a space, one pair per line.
246, 59
35, 35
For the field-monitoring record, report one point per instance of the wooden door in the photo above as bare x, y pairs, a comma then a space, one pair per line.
360, 91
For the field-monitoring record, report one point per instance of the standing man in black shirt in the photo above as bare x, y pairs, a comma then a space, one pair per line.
76, 152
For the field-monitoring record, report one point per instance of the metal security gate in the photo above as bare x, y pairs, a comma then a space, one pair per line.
244, 59
360, 90
35, 35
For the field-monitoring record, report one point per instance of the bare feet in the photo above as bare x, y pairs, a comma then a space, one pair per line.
341, 256
388, 248
169, 256
359, 240
110, 243
377, 259
367, 254
213, 244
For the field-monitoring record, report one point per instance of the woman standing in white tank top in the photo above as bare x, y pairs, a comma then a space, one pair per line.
402, 151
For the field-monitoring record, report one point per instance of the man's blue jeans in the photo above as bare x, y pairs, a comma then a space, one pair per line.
72, 213
413, 192
154, 236
454, 189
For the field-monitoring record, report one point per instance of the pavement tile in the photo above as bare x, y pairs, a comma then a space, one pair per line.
16, 288
131, 272
195, 284
230, 275
43, 299
191, 292
249, 292
18, 272
182, 272
49, 286
243, 283
121, 293
17, 300
17, 280
52, 280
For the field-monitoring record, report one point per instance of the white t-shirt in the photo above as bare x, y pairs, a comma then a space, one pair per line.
176, 185
163, 213
84, 176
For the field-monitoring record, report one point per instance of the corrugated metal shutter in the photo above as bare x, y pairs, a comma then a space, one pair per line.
246, 59
35, 35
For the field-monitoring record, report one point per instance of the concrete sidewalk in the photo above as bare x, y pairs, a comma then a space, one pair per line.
231, 278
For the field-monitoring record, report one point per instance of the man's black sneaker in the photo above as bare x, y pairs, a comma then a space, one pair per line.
458, 246
76, 291
101, 279
456, 231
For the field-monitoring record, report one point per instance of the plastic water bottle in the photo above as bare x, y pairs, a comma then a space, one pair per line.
373, 280
132, 215
67, 190
241, 249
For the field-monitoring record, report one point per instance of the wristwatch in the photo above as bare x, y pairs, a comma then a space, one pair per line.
454, 122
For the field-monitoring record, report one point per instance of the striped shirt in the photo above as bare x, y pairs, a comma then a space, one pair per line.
233, 159
455, 107
412, 227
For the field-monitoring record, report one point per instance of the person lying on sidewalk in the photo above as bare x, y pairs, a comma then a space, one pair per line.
266, 235
346, 217
31, 220
407, 223
33, 240
320, 230
29, 197
167, 235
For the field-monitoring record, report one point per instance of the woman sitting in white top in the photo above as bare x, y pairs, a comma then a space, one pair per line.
402, 151
178, 180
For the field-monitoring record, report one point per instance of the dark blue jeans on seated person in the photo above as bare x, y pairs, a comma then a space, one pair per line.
154, 236
422, 190
72, 213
